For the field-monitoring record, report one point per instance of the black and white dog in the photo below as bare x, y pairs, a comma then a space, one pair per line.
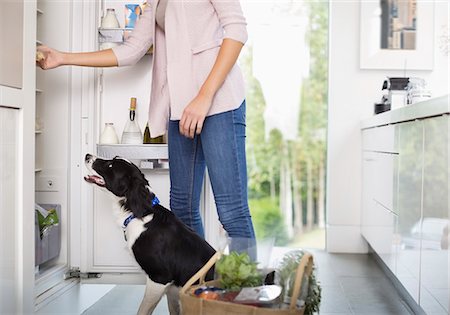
168, 251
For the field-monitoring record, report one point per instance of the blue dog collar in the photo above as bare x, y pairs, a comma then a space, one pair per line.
155, 201
128, 220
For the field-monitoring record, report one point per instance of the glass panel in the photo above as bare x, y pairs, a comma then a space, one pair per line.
286, 119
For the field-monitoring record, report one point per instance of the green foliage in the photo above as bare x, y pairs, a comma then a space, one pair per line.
267, 220
267, 152
237, 271
311, 292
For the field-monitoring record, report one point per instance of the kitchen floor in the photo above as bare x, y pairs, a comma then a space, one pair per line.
351, 284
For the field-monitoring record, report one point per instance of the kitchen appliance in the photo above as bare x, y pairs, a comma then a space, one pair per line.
396, 90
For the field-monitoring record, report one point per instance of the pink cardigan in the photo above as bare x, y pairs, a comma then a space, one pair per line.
185, 54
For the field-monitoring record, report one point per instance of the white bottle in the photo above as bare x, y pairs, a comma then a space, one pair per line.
109, 135
109, 21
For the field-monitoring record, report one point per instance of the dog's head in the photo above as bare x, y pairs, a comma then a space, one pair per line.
123, 179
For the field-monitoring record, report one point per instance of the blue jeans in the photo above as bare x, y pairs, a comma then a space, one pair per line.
221, 148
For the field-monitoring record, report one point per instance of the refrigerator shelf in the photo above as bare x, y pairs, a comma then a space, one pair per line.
133, 151
116, 35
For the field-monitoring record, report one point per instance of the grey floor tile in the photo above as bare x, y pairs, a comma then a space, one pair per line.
334, 300
365, 289
124, 300
360, 290
381, 310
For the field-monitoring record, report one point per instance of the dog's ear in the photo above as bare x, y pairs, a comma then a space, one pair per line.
121, 187
138, 200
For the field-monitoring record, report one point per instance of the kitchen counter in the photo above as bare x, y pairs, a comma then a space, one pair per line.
430, 108
405, 207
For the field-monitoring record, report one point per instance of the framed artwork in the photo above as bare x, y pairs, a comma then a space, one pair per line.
397, 34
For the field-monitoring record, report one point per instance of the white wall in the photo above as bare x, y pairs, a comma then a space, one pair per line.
352, 93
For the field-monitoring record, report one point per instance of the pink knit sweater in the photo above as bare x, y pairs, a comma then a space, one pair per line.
185, 54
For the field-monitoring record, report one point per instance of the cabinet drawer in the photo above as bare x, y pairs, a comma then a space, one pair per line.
380, 179
379, 229
380, 139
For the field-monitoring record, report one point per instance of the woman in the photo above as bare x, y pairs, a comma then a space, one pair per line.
198, 96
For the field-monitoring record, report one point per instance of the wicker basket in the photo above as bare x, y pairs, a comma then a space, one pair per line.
192, 305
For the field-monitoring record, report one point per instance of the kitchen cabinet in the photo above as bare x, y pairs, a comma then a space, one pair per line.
9, 122
11, 43
405, 201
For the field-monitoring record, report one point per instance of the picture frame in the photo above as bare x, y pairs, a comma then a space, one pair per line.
406, 47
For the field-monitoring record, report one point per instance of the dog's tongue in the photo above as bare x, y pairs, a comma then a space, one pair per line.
94, 179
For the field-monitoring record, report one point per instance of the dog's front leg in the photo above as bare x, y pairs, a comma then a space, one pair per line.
153, 293
173, 299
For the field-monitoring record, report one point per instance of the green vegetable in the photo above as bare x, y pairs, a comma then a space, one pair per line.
237, 271
45, 223
310, 290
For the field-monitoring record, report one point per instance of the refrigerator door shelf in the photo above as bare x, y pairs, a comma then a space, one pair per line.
133, 151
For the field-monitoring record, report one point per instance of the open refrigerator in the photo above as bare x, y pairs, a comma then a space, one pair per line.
72, 106
58, 119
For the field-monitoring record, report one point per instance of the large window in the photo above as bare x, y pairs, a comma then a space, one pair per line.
285, 64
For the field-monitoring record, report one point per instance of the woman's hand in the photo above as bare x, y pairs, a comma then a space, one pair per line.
48, 58
194, 114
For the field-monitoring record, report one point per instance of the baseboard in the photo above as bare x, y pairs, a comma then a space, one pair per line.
345, 239
414, 308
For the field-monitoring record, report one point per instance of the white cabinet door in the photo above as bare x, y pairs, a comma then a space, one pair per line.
434, 285
11, 43
409, 205
8, 205
379, 221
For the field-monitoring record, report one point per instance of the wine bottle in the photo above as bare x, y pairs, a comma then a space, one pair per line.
149, 140
132, 133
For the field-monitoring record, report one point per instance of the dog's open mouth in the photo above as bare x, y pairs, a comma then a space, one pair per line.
95, 179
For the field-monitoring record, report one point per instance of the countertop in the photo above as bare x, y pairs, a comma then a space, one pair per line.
430, 108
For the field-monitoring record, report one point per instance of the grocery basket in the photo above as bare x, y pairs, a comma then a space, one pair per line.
193, 305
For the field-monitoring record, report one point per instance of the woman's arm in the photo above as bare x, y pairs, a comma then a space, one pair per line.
52, 58
233, 23
195, 112
136, 45
227, 57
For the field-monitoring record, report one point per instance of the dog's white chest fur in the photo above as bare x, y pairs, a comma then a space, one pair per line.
134, 228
